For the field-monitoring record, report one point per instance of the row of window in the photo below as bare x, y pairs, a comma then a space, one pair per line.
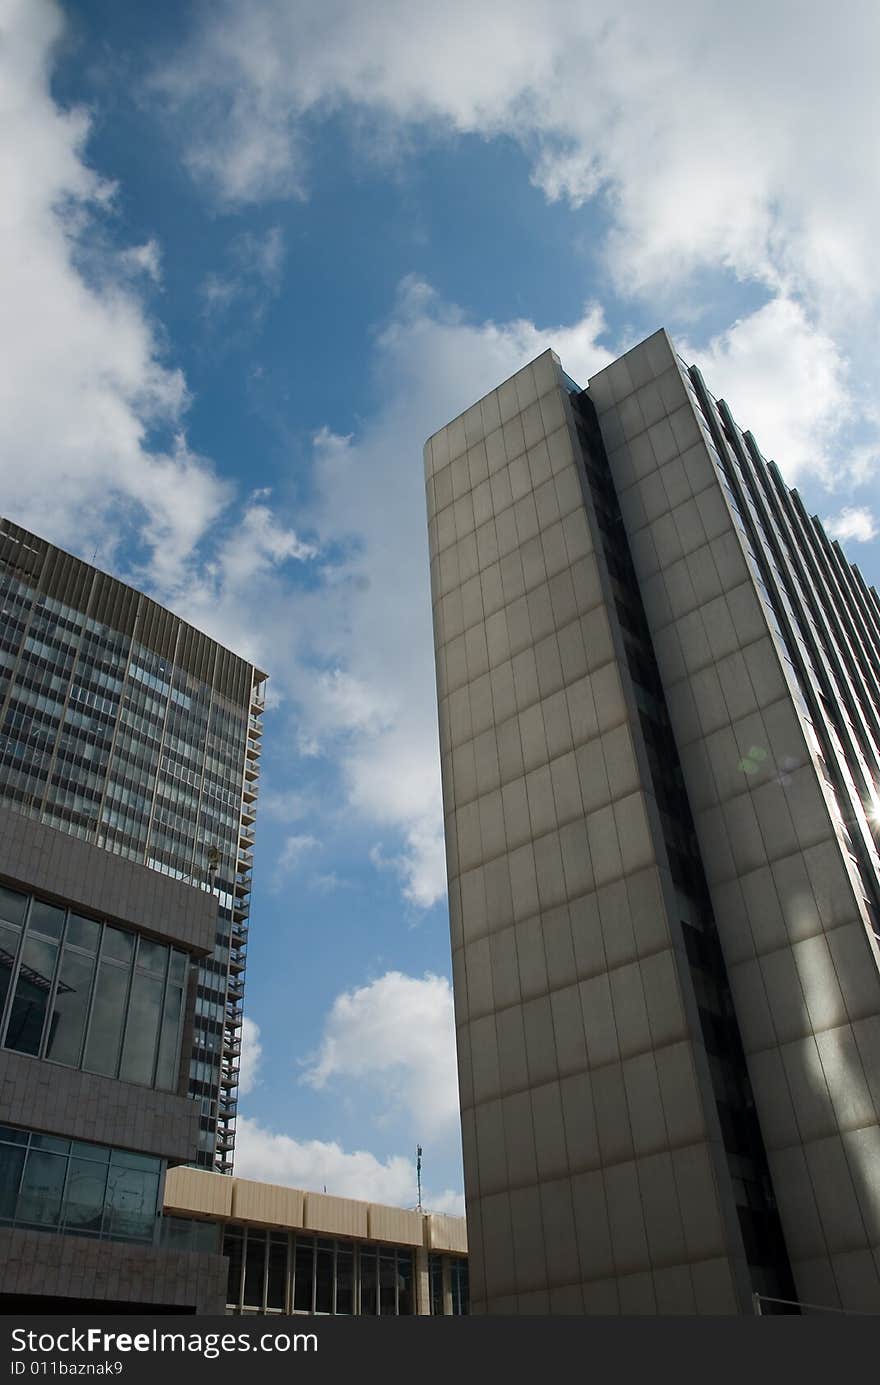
281, 1272
271, 1271
77, 1189
87, 994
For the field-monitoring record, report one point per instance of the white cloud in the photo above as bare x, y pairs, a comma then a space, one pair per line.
397, 1034
240, 593
283, 805
251, 1056
786, 381
84, 387
252, 278
144, 259
710, 154
317, 1165
371, 701
710, 149
294, 849
355, 666
855, 522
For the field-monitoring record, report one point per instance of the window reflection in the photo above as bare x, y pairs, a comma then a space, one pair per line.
31, 999
87, 994
82, 1189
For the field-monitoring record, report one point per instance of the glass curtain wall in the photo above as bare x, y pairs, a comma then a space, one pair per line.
277, 1272
49, 1184
89, 995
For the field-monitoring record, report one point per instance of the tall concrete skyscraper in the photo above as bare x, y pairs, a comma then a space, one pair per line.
660, 737
123, 726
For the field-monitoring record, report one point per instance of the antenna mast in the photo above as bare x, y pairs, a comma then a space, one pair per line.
419, 1174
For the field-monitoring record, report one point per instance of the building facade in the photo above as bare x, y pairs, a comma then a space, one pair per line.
660, 739
98, 966
123, 727
295, 1252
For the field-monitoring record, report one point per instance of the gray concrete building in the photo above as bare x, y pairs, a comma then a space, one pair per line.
660, 737
124, 727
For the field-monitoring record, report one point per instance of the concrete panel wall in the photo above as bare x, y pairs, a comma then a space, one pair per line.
33, 856
83, 1106
335, 1216
396, 1225
591, 1179
447, 1233
196, 1191
802, 960
265, 1203
49, 1266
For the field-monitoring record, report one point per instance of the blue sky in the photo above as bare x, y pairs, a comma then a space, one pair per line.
252, 255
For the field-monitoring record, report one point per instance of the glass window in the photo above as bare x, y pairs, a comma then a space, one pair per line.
405, 1301
108, 1014
324, 1279
132, 1198
9, 1135
11, 1165
344, 1279
387, 1283
50, 1142
12, 906
303, 1272
78, 1188
255, 1264
142, 1029
57, 1008
276, 1282
42, 1187
10, 935
71, 1007
46, 919
118, 945
31, 1000
233, 1247
368, 1281
177, 970
152, 956
166, 1068
204, 1236
460, 1292
85, 1195
84, 933
436, 1274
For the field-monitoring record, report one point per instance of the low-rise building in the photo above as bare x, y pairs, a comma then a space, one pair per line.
292, 1251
